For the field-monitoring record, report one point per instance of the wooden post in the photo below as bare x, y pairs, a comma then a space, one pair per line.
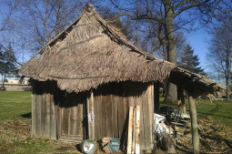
33, 115
194, 125
133, 132
156, 96
181, 100
137, 146
90, 109
130, 126
151, 115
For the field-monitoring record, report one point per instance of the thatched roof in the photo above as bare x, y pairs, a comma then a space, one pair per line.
90, 52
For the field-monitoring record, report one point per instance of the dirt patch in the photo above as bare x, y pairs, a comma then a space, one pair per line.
214, 138
18, 130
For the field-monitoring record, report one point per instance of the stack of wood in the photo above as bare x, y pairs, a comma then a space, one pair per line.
133, 130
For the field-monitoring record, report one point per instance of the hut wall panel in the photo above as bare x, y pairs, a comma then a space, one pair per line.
45, 117
115, 100
53, 119
44, 120
97, 109
65, 121
104, 115
109, 114
146, 120
140, 101
111, 105
74, 121
38, 116
72, 117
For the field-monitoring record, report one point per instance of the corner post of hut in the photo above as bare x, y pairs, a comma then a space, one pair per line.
90, 114
194, 125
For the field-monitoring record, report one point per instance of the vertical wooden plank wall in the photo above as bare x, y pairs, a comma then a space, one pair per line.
111, 106
44, 123
53, 111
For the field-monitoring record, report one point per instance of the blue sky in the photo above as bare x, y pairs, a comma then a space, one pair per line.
198, 42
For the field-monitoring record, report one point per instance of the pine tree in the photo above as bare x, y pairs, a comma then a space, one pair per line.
189, 61
7, 61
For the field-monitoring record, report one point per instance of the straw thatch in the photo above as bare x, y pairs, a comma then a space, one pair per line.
93, 53
90, 52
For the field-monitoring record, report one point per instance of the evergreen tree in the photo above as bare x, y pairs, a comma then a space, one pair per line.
189, 61
7, 61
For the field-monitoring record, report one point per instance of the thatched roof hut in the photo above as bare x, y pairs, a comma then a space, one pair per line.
91, 56
91, 52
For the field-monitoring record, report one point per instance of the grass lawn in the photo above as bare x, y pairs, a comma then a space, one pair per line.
217, 111
14, 106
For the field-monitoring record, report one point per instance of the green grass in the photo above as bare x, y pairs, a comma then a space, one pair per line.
15, 110
14, 106
218, 111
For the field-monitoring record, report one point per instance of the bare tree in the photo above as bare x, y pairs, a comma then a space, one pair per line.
42, 20
220, 51
8, 14
166, 13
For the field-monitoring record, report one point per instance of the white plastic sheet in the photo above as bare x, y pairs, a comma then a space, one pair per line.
160, 127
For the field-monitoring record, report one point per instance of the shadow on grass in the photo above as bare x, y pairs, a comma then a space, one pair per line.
215, 110
208, 113
27, 115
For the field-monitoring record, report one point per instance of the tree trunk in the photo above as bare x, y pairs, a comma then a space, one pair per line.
227, 88
4, 76
194, 125
171, 93
181, 100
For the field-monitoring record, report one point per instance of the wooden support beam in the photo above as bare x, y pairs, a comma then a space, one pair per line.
130, 126
133, 132
194, 125
137, 132
156, 96
181, 100
90, 110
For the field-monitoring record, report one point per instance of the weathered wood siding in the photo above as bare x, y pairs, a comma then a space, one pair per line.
72, 116
111, 109
57, 114
60, 115
44, 110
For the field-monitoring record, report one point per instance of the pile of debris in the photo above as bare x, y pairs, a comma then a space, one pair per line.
169, 125
173, 131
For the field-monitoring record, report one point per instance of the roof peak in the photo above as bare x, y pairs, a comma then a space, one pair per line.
89, 7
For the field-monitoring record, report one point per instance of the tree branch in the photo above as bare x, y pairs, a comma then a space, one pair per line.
192, 4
